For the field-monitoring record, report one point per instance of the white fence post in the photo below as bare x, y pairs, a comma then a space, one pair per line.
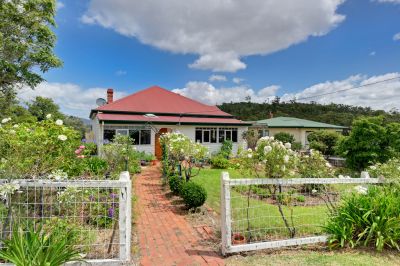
125, 212
225, 213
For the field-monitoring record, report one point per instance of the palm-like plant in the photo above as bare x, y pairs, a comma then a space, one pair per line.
32, 247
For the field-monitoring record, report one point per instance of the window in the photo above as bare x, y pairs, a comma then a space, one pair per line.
123, 132
108, 135
206, 135
263, 133
145, 137
228, 134
140, 136
135, 136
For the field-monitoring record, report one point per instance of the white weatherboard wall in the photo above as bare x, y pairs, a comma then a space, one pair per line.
187, 130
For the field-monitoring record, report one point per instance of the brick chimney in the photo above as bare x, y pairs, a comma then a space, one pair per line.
110, 95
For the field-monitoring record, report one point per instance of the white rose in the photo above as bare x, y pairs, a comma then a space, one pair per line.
328, 165
288, 145
286, 158
271, 138
5, 120
314, 191
59, 122
249, 155
361, 190
249, 150
48, 116
16, 126
62, 137
373, 167
267, 149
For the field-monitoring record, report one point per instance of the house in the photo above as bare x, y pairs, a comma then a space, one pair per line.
299, 128
147, 114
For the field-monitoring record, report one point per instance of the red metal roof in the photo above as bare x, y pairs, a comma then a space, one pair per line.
161, 101
168, 119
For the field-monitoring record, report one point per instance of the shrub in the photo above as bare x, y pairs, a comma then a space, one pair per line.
284, 137
96, 165
296, 146
324, 141
35, 246
193, 195
389, 170
368, 218
219, 162
371, 140
175, 184
226, 149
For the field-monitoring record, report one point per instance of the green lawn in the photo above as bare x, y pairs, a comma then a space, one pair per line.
317, 258
264, 219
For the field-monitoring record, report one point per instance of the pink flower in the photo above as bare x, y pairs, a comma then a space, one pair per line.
78, 151
81, 147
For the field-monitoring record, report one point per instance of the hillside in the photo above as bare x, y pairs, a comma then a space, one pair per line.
338, 114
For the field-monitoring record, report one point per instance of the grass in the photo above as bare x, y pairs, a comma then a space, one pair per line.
311, 258
264, 219
267, 215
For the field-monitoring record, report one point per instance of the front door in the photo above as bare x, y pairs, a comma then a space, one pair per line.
158, 151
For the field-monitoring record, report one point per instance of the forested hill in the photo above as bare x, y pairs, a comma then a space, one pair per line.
338, 114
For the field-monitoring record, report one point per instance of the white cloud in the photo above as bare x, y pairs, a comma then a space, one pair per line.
59, 5
120, 72
372, 53
217, 78
207, 93
237, 80
396, 37
220, 32
389, 1
384, 95
71, 98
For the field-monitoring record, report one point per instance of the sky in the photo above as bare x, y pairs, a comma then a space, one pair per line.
217, 51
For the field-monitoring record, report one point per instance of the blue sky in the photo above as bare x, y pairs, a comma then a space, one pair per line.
116, 46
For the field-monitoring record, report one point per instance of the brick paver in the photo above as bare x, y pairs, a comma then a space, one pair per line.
165, 237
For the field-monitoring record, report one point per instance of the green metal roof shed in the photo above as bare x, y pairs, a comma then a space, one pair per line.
292, 122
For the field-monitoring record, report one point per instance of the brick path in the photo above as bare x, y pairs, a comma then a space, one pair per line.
165, 237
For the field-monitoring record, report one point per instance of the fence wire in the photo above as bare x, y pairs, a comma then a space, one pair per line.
282, 212
88, 208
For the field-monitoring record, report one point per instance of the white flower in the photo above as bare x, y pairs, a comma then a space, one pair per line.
181, 150
249, 150
373, 167
5, 120
59, 122
311, 151
328, 165
288, 145
271, 138
12, 131
267, 149
286, 158
62, 137
314, 191
16, 126
48, 116
249, 155
341, 176
361, 190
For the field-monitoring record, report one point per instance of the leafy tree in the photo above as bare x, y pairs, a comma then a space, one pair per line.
41, 106
393, 135
251, 136
366, 144
26, 43
324, 140
285, 137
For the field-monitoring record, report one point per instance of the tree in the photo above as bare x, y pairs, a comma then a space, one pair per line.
41, 106
366, 144
285, 137
324, 140
26, 43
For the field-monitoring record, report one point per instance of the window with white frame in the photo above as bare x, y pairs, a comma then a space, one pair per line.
206, 135
227, 134
139, 136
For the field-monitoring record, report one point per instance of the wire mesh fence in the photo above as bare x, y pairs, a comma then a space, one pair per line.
97, 211
272, 213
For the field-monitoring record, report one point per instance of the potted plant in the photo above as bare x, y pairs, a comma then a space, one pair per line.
238, 239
